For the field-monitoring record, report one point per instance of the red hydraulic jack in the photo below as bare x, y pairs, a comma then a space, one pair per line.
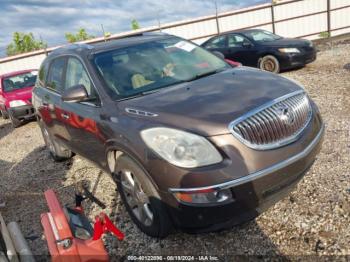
69, 234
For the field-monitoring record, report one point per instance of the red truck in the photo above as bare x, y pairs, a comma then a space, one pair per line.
16, 95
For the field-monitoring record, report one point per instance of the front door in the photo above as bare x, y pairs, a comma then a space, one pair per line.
82, 118
240, 49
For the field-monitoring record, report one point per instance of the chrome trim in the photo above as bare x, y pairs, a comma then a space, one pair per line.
260, 109
139, 112
258, 174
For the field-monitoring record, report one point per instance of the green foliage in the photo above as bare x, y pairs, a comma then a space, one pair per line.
135, 25
324, 35
81, 35
22, 43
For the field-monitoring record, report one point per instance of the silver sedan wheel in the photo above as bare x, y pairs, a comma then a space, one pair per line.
136, 198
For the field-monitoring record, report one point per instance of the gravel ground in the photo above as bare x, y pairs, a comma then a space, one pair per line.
313, 220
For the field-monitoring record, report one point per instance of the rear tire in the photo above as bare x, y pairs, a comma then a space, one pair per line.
141, 199
57, 152
269, 63
4, 114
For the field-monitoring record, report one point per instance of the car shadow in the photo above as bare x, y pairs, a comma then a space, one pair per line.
5, 129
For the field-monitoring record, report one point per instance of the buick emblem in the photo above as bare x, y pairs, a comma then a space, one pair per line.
286, 115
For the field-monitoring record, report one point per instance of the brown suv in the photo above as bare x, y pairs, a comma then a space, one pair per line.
191, 142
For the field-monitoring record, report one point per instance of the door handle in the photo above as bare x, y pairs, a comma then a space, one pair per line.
65, 115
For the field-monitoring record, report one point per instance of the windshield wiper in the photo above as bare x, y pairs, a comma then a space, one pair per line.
198, 76
139, 94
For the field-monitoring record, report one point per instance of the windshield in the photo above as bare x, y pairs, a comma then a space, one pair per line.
262, 36
16, 82
149, 66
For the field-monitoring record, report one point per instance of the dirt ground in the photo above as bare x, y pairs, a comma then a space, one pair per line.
313, 220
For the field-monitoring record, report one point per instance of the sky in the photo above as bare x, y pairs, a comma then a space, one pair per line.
51, 19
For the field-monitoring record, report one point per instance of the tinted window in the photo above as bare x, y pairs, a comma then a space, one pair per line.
217, 42
155, 64
77, 75
55, 79
19, 81
236, 40
42, 74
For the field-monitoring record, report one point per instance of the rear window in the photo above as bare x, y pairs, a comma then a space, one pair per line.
262, 36
55, 78
19, 81
42, 74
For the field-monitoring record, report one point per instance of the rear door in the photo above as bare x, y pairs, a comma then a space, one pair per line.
48, 97
217, 44
242, 50
82, 118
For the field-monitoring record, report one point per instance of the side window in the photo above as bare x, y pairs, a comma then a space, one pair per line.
217, 42
236, 41
55, 78
41, 79
77, 75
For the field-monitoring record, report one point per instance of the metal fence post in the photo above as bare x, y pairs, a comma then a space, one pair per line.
217, 18
329, 26
273, 18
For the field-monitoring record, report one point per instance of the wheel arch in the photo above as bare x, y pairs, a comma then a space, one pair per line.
266, 53
114, 150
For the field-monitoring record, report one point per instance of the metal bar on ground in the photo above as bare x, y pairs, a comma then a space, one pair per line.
11, 251
20, 243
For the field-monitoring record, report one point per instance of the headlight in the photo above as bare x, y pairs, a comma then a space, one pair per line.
16, 103
289, 50
181, 148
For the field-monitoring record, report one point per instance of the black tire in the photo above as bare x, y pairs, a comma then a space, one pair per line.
4, 114
14, 121
57, 151
269, 63
160, 225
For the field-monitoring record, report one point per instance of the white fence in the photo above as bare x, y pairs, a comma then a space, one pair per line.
295, 18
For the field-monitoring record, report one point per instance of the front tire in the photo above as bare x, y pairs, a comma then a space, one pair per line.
4, 114
141, 199
269, 63
57, 152
14, 121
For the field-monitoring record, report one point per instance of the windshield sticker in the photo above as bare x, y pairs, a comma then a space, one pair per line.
188, 47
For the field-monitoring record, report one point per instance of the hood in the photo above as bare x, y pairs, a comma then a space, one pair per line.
24, 94
287, 42
207, 106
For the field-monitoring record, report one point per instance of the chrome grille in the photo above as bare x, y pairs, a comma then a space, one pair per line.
274, 124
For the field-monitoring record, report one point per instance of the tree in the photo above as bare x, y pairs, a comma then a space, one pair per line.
81, 35
135, 25
22, 43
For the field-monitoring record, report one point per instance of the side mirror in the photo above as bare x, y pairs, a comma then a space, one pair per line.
75, 93
218, 54
247, 45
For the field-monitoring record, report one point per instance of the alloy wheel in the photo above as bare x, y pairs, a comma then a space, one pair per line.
136, 198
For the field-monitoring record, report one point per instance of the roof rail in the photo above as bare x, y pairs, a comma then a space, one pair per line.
73, 46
